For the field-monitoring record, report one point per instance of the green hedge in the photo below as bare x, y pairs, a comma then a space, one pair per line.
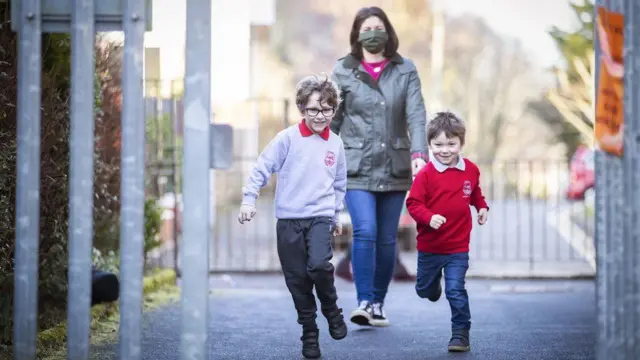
54, 170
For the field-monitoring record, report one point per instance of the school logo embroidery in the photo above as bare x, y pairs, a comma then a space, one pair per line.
329, 158
466, 188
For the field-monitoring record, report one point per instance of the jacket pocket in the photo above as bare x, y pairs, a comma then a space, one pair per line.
353, 151
400, 157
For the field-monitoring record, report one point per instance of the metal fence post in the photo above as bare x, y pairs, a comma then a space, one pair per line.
28, 181
132, 188
632, 179
617, 211
196, 182
81, 179
602, 283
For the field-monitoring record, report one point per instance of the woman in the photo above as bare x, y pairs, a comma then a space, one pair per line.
382, 124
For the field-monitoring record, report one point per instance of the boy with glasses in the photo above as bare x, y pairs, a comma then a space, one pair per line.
312, 178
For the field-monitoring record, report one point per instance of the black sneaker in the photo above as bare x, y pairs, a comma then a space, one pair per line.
363, 314
379, 318
438, 294
337, 327
310, 345
459, 341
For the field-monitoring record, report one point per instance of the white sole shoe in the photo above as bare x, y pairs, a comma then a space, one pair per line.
379, 322
361, 317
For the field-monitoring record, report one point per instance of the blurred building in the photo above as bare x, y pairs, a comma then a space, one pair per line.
232, 23
238, 28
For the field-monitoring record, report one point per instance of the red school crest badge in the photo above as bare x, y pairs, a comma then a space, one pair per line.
329, 158
466, 188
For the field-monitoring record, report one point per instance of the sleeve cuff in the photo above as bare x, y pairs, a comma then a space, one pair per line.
482, 205
249, 199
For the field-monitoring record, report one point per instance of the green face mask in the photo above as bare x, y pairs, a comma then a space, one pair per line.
373, 41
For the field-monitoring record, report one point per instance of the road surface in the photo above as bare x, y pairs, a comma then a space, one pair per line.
252, 317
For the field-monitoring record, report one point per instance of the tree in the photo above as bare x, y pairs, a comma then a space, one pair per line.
574, 94
485, 82
108, 144
485, 77
563, 131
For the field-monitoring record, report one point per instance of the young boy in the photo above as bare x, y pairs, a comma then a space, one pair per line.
312, 180
439, 203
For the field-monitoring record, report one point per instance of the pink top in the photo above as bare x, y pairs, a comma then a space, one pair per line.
375, 69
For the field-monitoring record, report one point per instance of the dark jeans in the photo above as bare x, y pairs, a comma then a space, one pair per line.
455, 267
374, 217
304, 249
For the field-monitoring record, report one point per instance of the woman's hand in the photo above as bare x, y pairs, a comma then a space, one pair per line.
416, 166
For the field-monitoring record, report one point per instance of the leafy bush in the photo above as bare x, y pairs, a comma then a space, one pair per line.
109, 261
152, 225
107, 146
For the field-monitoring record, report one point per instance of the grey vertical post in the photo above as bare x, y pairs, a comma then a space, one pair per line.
132, 186
28, 182
611, 223
617, 210
631, 179
196, 182
615, 238
602, 285
614, 245
81, 179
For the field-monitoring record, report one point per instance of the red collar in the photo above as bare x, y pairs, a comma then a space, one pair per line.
306, 132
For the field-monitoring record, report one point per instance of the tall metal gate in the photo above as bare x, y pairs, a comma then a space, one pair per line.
82, 18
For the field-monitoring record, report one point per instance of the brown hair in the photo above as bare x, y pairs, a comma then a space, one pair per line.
448, 123
328, 90
363, 14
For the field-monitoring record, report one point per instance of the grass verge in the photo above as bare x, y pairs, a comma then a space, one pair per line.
158, 289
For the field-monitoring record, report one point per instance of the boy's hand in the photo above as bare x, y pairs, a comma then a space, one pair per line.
247, 212
437, 221
482, 216
337, 230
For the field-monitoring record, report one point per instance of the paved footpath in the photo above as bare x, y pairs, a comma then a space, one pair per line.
252, 317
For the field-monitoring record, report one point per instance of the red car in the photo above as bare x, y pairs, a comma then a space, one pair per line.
582, 170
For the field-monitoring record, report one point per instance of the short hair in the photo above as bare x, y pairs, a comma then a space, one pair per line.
363, 14
448, 123
327, 88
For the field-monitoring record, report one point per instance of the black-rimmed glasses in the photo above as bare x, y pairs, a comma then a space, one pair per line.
315, 112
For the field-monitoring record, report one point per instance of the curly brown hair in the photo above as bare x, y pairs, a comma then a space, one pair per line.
448, 123
327, 88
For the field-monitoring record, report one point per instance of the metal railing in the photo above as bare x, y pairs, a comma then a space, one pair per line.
256, 121
533, 229
82, 18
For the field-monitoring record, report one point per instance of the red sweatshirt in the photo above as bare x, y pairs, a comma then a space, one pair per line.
448, 193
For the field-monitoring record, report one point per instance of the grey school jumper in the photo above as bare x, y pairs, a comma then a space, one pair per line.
312, 175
